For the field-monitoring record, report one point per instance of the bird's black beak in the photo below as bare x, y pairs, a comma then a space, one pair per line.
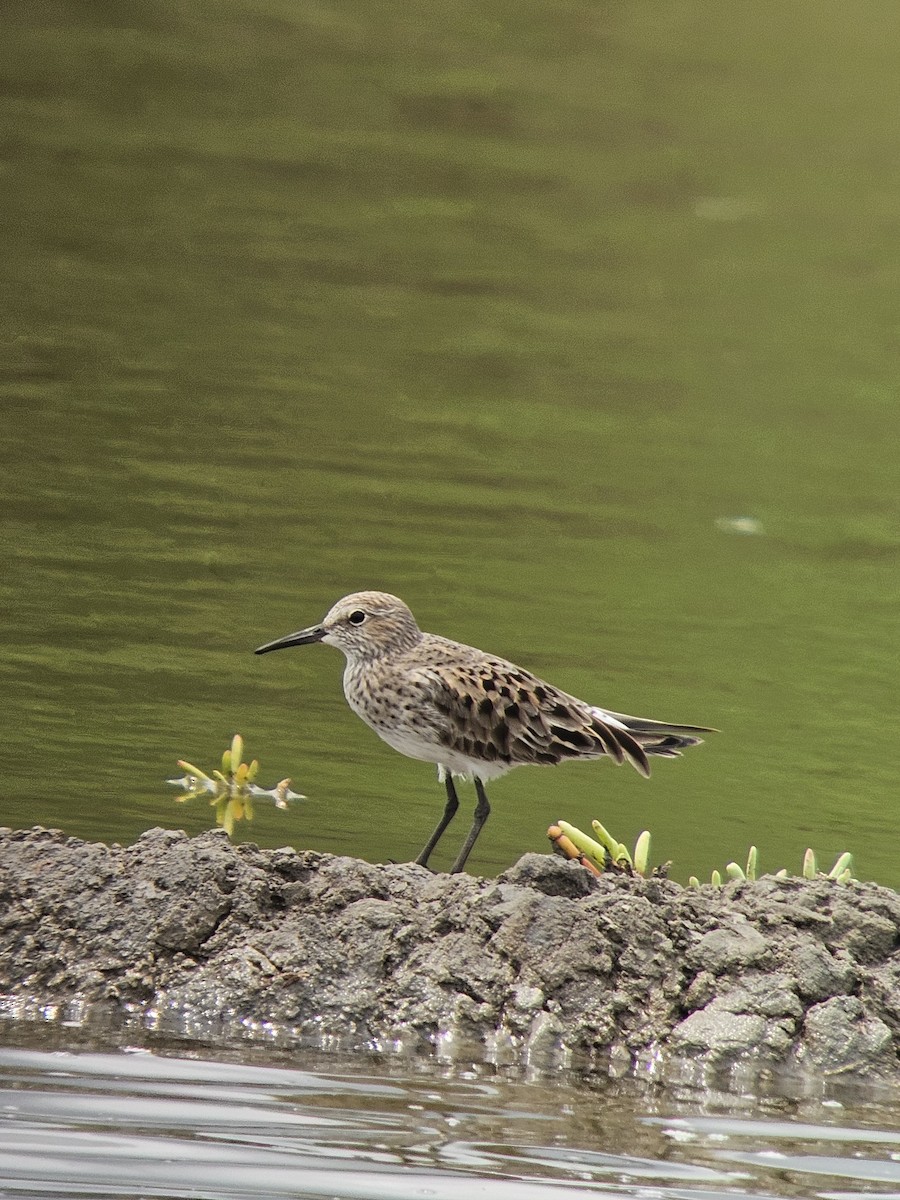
303, 637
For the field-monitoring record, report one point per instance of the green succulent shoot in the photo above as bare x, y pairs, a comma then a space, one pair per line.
231, 791
604, 852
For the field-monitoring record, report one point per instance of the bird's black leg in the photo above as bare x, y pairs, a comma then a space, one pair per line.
482, 812
449, 813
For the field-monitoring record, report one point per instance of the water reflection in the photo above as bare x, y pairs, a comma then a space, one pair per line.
151, 1124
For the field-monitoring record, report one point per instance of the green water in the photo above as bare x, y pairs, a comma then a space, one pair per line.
508, 309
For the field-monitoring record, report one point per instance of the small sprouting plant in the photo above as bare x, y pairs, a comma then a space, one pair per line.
604, 853
841, 872
232, 790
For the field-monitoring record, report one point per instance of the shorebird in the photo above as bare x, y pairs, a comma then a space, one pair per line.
471, 713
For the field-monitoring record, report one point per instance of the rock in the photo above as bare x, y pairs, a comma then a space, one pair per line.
820, 973
551, 875
841, 1038
545, 964
719, 1035
732, 947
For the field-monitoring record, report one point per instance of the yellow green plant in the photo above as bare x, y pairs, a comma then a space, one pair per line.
231, 791
605, 852
841, 872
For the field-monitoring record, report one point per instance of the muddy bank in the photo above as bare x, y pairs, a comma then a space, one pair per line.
543, 965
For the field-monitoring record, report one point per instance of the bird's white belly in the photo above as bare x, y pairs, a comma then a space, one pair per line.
413, 745
412, 737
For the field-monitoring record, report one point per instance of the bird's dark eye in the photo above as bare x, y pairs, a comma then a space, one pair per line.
357, 617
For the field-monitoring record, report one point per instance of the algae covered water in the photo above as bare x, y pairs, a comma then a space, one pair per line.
572, 326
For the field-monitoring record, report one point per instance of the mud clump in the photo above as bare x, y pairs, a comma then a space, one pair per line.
545, 964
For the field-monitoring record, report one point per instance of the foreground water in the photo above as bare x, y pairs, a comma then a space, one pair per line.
203, 1124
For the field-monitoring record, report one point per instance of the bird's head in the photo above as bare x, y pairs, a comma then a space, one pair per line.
363, 625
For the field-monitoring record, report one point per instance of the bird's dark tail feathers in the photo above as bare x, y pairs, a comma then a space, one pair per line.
659, 737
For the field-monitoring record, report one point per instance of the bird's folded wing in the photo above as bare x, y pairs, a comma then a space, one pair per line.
497, 712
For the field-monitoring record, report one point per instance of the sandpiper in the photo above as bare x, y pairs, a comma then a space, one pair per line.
472, 714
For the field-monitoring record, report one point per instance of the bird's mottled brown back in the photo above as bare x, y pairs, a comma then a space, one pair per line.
493, 711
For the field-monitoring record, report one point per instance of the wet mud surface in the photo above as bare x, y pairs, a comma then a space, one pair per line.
544, 965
